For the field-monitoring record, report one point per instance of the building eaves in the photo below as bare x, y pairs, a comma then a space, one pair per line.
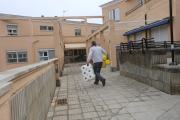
11, 16
110, 3
79, 23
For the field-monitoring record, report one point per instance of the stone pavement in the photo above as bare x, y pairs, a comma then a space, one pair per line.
121, 99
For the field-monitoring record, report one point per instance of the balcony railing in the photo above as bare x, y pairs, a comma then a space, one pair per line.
136, 7
146, 44
147, 1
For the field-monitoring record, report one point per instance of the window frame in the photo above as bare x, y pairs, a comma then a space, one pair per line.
43, 50
14, 34
77, 29
47, 28
17, 56
114, 14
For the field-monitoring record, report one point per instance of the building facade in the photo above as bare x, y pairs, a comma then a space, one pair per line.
132, 20
27, 40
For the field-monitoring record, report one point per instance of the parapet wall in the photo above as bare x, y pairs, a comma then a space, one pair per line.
151, 68
26, 93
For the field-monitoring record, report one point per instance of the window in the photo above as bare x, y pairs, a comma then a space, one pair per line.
12, 29
77, 31
130, 37
75, 52
79, 51
46, 28
93, 30
46, 54
114, 14
160, 33
16, 56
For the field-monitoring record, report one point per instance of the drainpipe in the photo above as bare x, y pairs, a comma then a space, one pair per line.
171, 28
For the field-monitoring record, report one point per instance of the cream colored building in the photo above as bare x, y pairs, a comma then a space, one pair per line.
26, 40
121, 23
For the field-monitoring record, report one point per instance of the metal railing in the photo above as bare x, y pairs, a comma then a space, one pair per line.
146, 44
133, 9
147, 1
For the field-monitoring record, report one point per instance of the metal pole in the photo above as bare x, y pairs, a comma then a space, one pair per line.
146, 24
171, 29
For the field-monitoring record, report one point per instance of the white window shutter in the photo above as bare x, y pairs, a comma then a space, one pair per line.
117, 14
111, 15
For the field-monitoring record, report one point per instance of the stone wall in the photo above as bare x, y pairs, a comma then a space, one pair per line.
28, 91
32, 101
151, 68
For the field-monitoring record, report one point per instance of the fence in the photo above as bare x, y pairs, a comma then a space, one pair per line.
146, 44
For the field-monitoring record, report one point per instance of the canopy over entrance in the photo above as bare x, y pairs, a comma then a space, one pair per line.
75, 46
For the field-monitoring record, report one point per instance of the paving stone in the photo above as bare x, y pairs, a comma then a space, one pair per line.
124, 117
50, 114
88, 109
121, 98
90, 115
115, 106
101, 108
75, 117
58, 108
74, 106
75, 111
60, 118
60, 113
105, 113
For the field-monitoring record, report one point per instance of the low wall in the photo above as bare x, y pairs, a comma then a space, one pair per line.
151, 69
26, 93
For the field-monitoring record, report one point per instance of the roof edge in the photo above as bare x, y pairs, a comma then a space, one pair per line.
110, 3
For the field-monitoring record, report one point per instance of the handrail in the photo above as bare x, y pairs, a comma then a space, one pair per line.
97, 30
134, 8
146, 44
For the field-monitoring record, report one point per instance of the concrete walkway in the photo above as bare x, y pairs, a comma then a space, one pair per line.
121, 99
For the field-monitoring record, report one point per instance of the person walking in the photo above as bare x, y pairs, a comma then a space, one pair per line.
96, 53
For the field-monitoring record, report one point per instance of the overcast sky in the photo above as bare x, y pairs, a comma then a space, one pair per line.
51, 8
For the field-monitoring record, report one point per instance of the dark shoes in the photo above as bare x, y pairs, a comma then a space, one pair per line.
96, 83
103, 82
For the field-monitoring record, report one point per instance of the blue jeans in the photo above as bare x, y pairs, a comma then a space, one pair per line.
97, 69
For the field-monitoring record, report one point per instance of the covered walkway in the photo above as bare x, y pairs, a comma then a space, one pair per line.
121, 99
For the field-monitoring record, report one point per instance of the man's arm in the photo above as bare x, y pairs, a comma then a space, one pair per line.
89, 57
104, 52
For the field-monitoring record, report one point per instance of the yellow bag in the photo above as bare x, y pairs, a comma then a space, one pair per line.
104, 57
108, 61
104, 64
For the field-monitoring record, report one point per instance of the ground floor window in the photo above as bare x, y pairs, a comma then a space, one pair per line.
76, 55
19, 56
160, 33
46, 54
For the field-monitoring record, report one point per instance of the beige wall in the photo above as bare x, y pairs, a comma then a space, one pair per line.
155, 9
23, 27
29, 38
37, 31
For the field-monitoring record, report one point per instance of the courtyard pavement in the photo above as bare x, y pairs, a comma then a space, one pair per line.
121, 99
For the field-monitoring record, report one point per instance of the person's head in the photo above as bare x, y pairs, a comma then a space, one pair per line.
94, 43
